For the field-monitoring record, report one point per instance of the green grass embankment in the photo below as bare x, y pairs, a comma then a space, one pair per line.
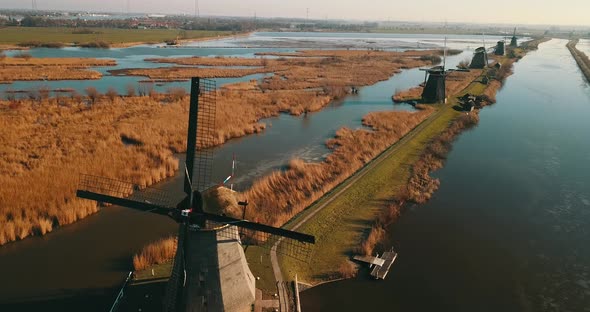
340, 225
54, 36
580, 57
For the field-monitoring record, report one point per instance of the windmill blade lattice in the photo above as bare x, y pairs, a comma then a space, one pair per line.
293, 248
199, 155
125, 190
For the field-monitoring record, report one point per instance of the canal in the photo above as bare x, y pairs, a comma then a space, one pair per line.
508, 228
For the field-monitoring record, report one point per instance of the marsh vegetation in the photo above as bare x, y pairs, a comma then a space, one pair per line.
25, 67
50, 140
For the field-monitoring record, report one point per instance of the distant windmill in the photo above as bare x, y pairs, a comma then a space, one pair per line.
514, 40
500, 47
34, 5
480, 56
210, 272
435, 81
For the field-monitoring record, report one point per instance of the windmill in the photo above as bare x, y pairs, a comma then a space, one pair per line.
480, 56
500, 47
435, 81
209, 271
514, 40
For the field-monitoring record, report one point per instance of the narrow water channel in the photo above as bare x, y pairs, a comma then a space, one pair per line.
508, 229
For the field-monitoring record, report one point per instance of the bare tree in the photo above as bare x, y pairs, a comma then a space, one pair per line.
75, 96
130, 90
92, 93
112, 94
145, 88
23, 55
176, 94
347, 269
44, 92
33, 94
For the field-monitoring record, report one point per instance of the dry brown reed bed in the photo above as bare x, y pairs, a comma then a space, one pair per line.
170, 73
158, 252
47, 142
46, 145
73, 62
212, 61
30, 73
27, 68
349, 53
340, 69
308, 69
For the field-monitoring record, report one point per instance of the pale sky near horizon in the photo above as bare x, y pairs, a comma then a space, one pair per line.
546, 12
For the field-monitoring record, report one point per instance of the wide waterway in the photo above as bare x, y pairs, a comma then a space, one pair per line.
508, 229
78, 267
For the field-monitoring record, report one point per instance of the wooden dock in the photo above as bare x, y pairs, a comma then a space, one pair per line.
380, 271
380, 264
370, 260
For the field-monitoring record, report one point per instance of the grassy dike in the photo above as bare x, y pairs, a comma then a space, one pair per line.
14, 36
346, 217
340, 225
580, 57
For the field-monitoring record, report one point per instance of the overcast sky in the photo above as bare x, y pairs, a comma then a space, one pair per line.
551, 12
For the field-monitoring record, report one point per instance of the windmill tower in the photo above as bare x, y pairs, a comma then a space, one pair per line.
514, 40
434, 81
34, 5
210, 272
480, 57
434, 86
500, 48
